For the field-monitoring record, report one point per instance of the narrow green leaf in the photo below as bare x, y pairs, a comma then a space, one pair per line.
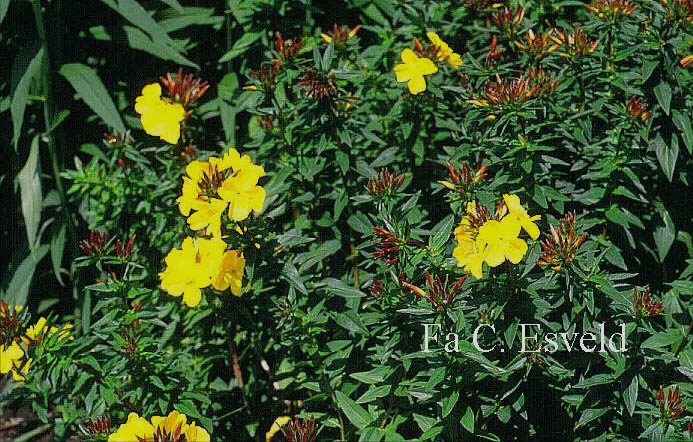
90, 89
341, 289
138, 39
18, 288
589, 415
174, 4
29, 180
4, 5
667, 155
664, 235
630, 396
467, 420
663, 93
20, 96
356, 414
57, 248
241, 45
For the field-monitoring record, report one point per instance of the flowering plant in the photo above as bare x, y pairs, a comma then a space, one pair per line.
428, 221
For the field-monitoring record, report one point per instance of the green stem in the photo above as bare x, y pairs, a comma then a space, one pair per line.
46, 81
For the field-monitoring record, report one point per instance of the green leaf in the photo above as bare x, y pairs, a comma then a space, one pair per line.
20, 96
630, 396
441, 232
327, 56
18, 288
356, 414
467, 420
4, 5
138, 39
133, 12
341, 289
662, 339
90, 88
29, 180
667, 155
449, 403
683, 123
57, 248
241, 45
664, 236
174, 4
589, 415
663, 93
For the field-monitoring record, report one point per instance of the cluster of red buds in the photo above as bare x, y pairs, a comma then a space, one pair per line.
317, 84
99, 426
389, 245
509, 21
287, 49
131, 344
463, 179
534, 353
542, 82
266, 76
429, 51
438, 293
299, 430
265, 122
162, 435
494, 53
385, 184
537, 45
376, 288
339, 35
95, 245
574, 43
124, 252
645, 305
636, 110
611, 10
686, 61
669, 404
211, 180
559, 249
184, 89
678, 11
187, 153
9, 322
506, 94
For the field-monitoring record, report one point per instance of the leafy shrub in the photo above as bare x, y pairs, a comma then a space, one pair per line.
283, 213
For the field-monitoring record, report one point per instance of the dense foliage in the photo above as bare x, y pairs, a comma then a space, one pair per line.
236, 217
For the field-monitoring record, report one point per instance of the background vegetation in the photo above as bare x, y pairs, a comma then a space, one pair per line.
328, 327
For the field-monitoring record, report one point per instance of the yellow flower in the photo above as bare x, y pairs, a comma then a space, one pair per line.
36, 332
498, 241
276, 426
19, 372
520, 214
413, 70
443, 51
240, 189
192, 268
230, 274
137, 428
159, 118
210, 187
8, 356
469, 257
